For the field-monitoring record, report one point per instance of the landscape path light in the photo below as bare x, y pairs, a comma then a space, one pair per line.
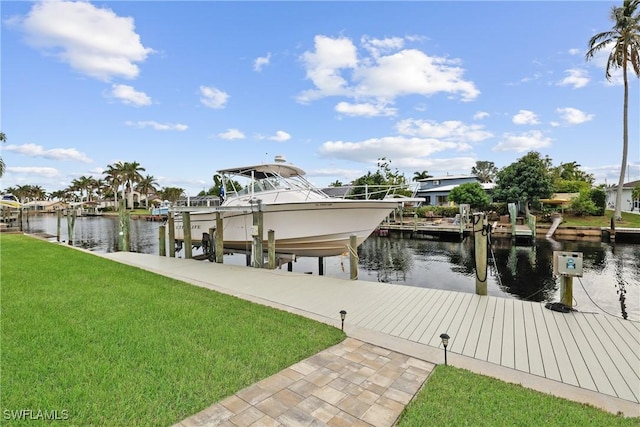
343, 314
445, 343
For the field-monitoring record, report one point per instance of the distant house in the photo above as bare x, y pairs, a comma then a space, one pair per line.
628, 204
436, 190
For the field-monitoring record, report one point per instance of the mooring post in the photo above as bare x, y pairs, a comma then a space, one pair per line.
212, 245
271, 249
124, 217
353, 257
172, 234
186, 230
566, 290
71, 222
258, 232
513, 213
480, 246
20, 218
162, 246
59, 224
219, 239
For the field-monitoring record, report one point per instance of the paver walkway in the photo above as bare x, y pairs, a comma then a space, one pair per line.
349, 384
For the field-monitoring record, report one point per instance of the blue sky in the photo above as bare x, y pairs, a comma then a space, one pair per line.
187, 88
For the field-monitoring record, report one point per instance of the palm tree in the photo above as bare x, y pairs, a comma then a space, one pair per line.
3, 138
145, 186
131, 175
624, 41
114, 177
417, 176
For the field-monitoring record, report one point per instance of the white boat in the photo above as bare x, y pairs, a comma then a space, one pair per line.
306, 221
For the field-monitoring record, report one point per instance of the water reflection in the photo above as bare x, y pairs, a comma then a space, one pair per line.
611, 280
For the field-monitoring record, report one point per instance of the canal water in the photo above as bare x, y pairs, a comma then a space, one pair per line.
610, 283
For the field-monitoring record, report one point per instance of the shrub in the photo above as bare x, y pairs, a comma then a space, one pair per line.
599, 198
583, 205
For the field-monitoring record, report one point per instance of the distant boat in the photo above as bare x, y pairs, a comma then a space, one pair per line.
162, 210
10, 201
306, 221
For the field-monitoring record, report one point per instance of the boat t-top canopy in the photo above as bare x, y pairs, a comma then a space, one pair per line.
265, 171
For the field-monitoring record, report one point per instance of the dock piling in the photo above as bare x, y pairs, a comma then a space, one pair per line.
186, 229
219, 239
172, 235
162, 247
353, 257
480, 249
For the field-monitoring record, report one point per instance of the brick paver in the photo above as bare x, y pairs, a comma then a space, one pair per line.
350, 384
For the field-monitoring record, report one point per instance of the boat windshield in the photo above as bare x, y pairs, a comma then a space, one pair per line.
268, 182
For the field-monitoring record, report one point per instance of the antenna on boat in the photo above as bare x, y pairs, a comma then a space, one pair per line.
279, 159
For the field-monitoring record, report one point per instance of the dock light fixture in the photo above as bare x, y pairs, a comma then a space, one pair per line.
445, 343
343, 314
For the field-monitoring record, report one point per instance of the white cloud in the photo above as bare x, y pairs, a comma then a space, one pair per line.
232, 134
480, 115
532, 140
573, 116
34, 150
280, 136
213, 98
31, 170
574, 51
157, 126
364, 109
324, 64
451, 130
335, 69
128, 95
393, 147
261, 62
93, 41
379, 46
576, 77
525, 117
412, 72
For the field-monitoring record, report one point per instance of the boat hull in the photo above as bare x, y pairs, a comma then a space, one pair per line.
315, 229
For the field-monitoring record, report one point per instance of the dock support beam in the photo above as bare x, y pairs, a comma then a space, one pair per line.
59, 224
172, 235
271, 249
71, 222
566, 290
124, 220
219, 239
186, 230
353, 257
258, 235
480, 246
162, 244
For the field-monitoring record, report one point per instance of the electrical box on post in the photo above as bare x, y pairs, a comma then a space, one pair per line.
567, 263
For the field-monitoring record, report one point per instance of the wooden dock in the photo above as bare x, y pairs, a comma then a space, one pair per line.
585, 354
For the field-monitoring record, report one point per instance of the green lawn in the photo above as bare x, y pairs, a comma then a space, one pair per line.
628, 220
107, 344
456, 397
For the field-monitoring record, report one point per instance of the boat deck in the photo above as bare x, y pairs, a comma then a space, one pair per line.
584, 356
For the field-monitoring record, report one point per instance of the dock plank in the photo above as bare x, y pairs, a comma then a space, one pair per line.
460, 336
621, 376
560, 352
448, 324
582, 339
415, 333
383, 310
549, 362
394, 308
484, 340
508, 340
626, 348
471, 343
413, 316
495, 346
521, 355
434, 329
534, 354
374, 299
